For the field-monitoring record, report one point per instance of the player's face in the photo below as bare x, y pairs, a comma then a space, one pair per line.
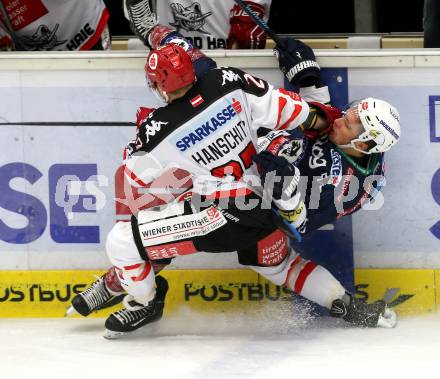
346, 128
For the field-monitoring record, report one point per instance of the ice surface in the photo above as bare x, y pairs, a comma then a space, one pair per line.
269, 345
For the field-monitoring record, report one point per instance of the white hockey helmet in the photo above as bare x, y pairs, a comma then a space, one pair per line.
381, 122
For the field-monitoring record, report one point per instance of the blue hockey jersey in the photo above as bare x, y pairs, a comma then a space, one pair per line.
332, 183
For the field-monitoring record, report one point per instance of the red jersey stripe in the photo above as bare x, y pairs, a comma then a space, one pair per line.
99, 29
294, 115
302, 277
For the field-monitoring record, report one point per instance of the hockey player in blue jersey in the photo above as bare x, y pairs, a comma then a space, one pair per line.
339, 155
341, 168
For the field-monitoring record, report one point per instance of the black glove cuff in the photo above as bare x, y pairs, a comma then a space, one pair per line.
308, 69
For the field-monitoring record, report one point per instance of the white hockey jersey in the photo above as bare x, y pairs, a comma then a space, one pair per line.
54, 24
204, 22
204, 141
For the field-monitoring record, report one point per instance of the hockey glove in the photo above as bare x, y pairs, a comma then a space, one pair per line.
298, 63
284, 176
296, 217
243, 30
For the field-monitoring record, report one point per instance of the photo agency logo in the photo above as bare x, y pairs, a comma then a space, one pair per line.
146, 182
65, 191
72, 191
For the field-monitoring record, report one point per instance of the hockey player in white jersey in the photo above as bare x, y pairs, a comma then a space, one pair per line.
206, 24
201, 145
43, 25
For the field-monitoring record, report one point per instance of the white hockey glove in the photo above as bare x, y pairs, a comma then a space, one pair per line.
296, 217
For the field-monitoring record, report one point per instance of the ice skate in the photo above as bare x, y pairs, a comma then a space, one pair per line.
94, 298
362, 314
125, 320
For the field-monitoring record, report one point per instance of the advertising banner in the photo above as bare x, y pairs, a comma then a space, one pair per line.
49, 293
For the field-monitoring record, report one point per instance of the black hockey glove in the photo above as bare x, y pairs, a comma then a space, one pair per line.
298, 63
286, 174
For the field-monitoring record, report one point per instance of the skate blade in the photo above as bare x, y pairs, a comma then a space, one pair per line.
70, 312
151, 329
388, 319
111, 335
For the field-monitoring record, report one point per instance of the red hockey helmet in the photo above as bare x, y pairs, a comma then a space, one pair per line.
169, 68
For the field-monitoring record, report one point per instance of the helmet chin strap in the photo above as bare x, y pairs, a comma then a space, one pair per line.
161, 95
165, 96
345, 146
353, 146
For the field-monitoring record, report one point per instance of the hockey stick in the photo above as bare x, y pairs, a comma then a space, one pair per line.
262, 24
287, 226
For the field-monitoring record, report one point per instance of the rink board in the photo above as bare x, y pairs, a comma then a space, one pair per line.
48, 293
